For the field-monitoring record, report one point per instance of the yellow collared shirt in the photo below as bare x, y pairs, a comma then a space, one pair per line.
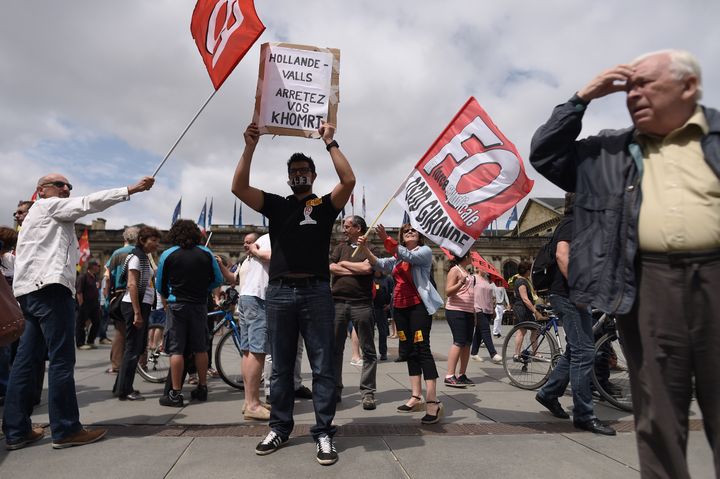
680, 208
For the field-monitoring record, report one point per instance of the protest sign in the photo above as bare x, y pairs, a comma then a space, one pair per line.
471, 175
298, 88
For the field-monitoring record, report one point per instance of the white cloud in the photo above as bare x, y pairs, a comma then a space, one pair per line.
75, 75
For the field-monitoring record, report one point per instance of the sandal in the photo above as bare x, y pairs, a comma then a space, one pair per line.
418, 406
432, 419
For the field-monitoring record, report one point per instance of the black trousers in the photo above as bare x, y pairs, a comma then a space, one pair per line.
413, 329
89, 311
135, 344
671, 336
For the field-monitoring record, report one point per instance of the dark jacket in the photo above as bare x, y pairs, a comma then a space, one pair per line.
605, 172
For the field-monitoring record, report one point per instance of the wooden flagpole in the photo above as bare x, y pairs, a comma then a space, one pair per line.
367, 233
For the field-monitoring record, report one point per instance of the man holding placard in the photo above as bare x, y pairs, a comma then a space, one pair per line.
298, 298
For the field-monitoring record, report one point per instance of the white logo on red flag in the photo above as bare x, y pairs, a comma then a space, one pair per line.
224, 31
471, 175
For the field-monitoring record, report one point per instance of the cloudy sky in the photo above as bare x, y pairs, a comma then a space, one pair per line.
99, 90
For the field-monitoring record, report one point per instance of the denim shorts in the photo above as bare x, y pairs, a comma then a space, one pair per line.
461, 325
157, 318
253, 325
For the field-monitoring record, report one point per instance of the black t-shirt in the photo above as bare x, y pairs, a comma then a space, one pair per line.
563, 232
354, 287
86, 284
299, 234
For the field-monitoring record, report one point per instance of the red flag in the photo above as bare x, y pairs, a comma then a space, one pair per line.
224, 31
482, 264
471, 175
84, 246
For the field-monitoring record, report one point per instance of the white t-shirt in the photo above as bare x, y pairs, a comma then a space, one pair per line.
254, 273
149, 296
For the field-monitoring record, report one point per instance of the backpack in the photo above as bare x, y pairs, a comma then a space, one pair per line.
544, 267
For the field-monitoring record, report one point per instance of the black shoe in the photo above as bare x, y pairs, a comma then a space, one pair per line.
498, 335
594, 425
173, 399
465, 380
383, 358
200, 393
401, 360
432, 418
303, 392
453, 382
326, 452
553, 406
270, 444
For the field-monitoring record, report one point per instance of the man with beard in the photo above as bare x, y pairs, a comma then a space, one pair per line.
298, 298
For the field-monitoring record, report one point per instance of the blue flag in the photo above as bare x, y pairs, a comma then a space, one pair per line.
239, 218
201, 220
406, 218
234, 212
176, 213
210, 213
513, 217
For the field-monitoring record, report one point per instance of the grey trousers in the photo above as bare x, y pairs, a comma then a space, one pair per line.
671, 336
361, 315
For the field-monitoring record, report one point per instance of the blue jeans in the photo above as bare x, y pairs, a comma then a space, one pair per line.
301, 308
575, 366
4, 368
49, 321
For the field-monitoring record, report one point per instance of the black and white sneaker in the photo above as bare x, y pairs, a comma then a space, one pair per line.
270, 444
326, 452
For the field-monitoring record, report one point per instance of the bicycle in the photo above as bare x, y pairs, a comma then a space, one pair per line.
228, 357
154, 363
610, 376
538, 352
534, 352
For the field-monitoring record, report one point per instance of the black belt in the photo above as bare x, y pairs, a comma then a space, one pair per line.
298, 282
353, 301
682, 258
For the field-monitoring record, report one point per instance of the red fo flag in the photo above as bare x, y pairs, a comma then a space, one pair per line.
471, 175
483, 265
84, 247
224, 31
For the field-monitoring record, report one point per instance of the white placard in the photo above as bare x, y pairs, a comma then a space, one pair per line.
296, 91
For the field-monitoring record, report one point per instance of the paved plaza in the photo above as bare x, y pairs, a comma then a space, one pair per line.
492, 430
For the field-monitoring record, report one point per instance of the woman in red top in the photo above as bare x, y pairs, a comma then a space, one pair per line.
414, 301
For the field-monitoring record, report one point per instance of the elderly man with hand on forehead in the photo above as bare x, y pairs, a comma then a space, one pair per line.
44, 284
646, 245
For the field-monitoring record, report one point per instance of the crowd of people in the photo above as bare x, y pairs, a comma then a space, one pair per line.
615, 249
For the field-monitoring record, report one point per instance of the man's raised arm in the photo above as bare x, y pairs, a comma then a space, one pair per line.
342, 191
241, 188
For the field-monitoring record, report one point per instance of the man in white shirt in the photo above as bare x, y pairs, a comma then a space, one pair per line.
44, 284
501, 303
253, 274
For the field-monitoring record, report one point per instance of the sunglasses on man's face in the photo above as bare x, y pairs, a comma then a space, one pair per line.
302, 171
410, 230
58, 184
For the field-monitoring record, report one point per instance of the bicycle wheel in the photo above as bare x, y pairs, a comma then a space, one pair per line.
530, 367
610, 374
154, 364
228, 360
